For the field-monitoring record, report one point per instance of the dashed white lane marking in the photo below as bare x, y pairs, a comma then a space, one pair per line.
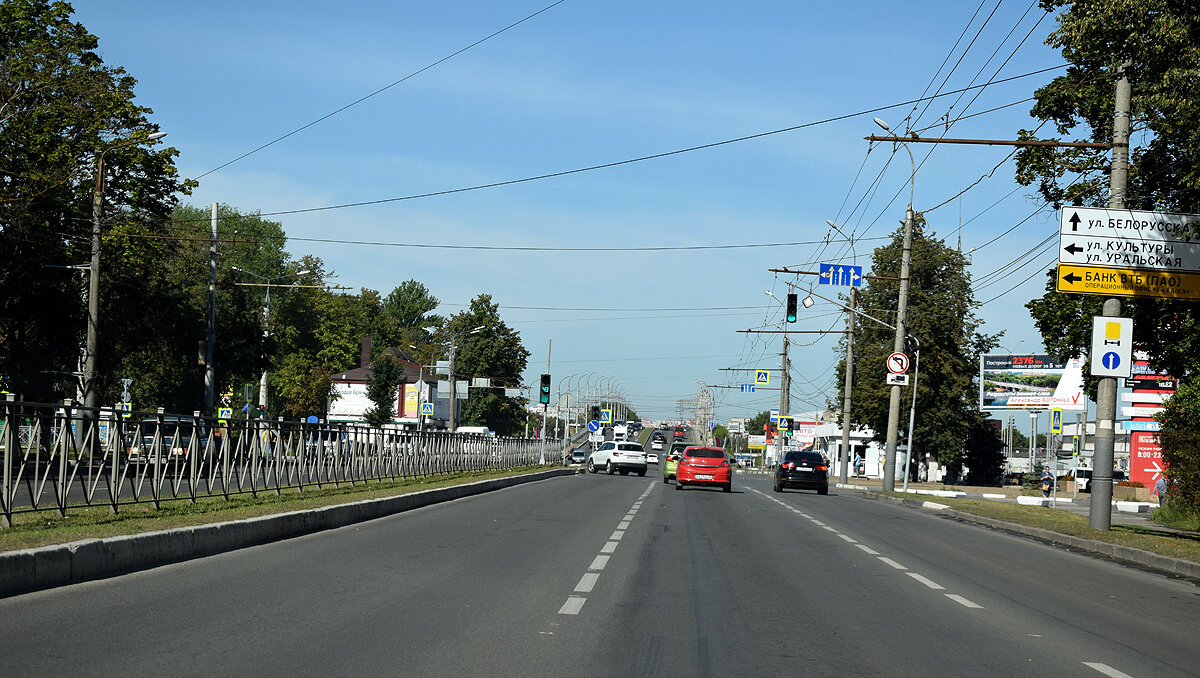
830, 529
963, 601
573, 605
588, 581
868, 549
1106, 670
893, 563
805, 515
848, 538
926, 581
817, 522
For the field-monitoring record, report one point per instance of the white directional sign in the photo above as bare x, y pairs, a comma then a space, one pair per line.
1128, 239
1112, 346
840, 274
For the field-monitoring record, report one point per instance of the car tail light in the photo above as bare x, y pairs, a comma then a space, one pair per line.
822, 467
788, 464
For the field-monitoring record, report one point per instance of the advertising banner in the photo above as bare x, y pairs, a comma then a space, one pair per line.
1030, 382
412, 402
1145, 458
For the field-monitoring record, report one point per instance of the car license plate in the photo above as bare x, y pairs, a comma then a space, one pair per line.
807, 469
703, 477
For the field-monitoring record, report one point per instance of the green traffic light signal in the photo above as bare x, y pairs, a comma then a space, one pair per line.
791, 308
544, 397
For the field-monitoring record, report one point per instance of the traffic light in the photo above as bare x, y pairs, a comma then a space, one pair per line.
595, 413
791, 308
544, 394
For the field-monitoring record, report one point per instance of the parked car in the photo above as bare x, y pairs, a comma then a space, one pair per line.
618, 455
704, 466
802, 470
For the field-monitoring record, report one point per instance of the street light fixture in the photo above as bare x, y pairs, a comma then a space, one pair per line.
89, 368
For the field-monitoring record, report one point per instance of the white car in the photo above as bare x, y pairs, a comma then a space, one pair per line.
651, 458
618, 455
656, 444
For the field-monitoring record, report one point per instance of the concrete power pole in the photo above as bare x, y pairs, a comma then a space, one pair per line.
844, 454
893, 427
210, 370
1100, 509
785, 387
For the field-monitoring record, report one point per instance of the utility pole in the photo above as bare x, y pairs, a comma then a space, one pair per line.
1100, 510
893, 427
453, 402
785, 404
844, 454
210, 370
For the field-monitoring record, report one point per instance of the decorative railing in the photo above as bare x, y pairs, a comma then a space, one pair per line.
58, 457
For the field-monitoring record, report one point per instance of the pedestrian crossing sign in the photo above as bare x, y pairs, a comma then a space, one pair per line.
762, 377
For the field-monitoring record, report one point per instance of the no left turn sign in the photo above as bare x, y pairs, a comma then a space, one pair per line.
897, 363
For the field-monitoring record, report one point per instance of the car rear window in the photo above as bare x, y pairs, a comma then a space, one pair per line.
632, 447
810, 457
706, 452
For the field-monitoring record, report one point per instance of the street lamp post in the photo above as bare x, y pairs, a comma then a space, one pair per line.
893, 427
89, 368
453, 423
262, 384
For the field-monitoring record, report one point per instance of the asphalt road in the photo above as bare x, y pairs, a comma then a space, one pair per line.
597, 575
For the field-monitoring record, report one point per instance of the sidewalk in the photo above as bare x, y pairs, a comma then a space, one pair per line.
1123, 513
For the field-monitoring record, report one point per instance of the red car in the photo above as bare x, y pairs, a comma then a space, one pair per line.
704, 466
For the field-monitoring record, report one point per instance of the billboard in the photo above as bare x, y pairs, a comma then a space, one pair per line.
1028, 381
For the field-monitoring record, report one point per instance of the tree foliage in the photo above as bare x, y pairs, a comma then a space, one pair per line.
61, 110
383, 386
494, 351
941, 314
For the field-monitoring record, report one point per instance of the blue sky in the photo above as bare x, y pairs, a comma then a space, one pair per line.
589, 83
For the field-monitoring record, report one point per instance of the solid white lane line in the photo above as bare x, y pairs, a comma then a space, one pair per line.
623, 525
868, 549
573, 605
586, 584
616, 536
609, 547
599, 563
893, 563
926, 581
963, 601
1106, 670
847, 538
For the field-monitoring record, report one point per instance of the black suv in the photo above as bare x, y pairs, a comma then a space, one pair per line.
803, 470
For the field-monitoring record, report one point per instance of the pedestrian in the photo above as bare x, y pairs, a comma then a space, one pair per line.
1160, 489
1047, 482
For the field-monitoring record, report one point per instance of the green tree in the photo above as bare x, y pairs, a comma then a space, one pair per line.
941, 313
406, 318
983, 451
495, 351
61, 108
382, 389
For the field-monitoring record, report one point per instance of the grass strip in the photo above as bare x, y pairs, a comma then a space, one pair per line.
1183, 546
30, 530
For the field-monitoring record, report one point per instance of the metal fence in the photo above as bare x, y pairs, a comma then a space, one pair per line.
58, 458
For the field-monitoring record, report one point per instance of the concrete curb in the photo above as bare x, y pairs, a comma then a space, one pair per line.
88, 559
1126, 554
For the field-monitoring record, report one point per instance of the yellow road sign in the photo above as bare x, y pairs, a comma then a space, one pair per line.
1126, 282
762, 377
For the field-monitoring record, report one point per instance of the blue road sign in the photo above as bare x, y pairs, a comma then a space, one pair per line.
747, 388
427, 409
1141, 425
593, 426
762, 377
840, 274
1111, 360
1056, 420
